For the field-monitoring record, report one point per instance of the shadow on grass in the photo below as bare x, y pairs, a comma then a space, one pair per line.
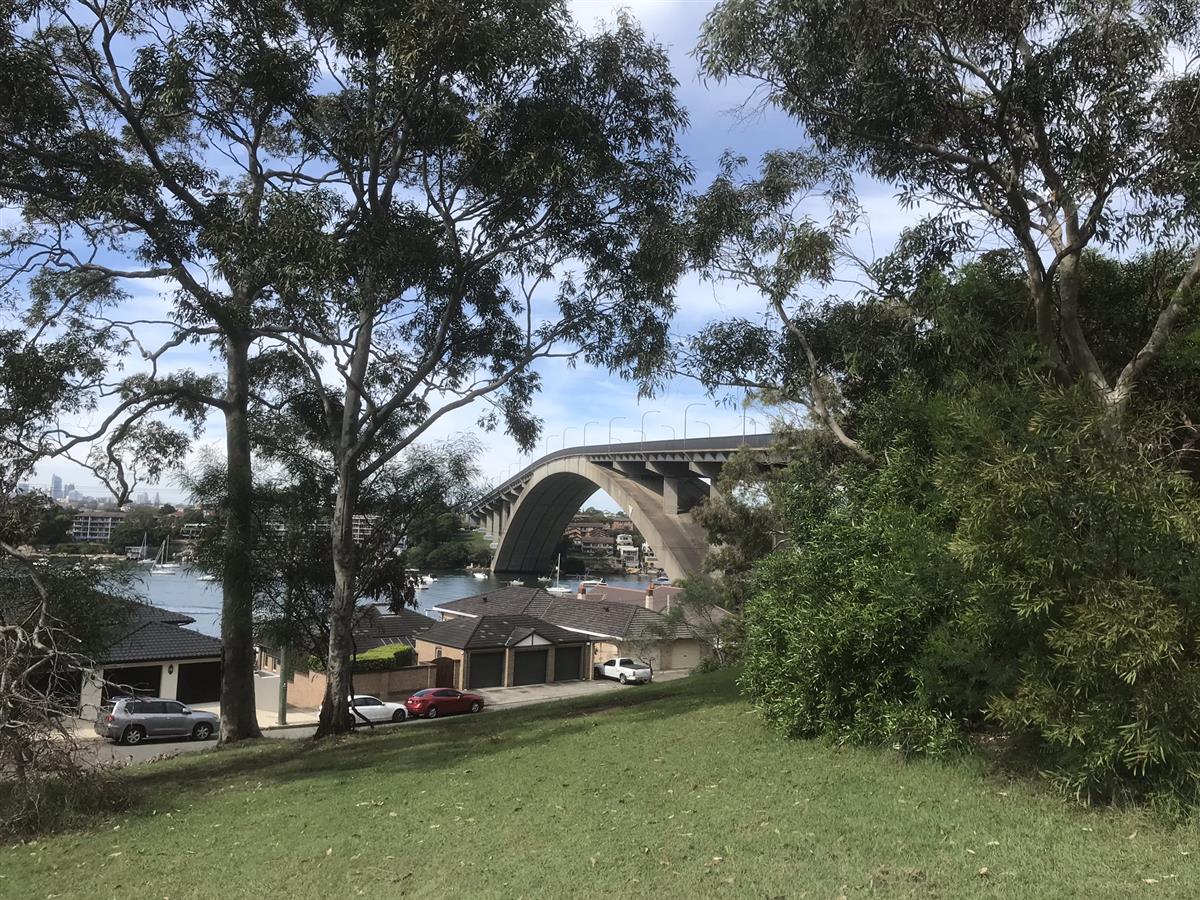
420, 750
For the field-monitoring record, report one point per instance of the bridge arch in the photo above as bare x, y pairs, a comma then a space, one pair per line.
528, 527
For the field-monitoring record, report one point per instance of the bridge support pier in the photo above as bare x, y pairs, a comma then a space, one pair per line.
679, 495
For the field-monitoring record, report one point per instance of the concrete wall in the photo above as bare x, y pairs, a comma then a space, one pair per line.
307, 690
682, 653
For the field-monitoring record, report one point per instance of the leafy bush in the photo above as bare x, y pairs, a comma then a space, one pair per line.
837, 626
1095, 548
387, 658
453, 555
1011, 563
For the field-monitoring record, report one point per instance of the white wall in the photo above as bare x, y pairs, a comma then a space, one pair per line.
90, 693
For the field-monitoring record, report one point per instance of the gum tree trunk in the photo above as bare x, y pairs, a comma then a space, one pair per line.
239, 719
339, 667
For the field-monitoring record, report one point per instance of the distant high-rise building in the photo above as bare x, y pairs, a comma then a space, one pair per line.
157, 502
142, 498
56, 488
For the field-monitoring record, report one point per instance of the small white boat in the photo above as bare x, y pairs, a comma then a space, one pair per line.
422, 587
206, 577
593, 582
544, 579
517, 582
161, 564
428, 579
557, 587
481, 575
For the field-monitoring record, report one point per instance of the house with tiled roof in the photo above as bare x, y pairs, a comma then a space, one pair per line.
613, 627
149, 651
506, 649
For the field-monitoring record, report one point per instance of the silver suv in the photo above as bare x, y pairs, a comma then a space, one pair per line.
131, 720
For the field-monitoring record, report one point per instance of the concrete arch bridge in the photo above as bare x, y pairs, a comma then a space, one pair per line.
656, 482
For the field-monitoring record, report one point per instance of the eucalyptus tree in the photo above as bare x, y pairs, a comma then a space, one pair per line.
506, 193
293, 573
145, 144
1058, 125
779, 234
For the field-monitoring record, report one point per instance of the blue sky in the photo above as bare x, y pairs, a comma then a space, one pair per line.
572, 397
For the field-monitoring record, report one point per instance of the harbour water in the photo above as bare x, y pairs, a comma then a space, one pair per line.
183, 592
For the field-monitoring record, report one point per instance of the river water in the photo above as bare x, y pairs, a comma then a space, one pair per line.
201, 600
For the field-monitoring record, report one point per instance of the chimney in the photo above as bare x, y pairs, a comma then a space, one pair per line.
582, 595
650, 596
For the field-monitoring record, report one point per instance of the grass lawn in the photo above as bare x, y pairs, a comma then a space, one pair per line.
674, 790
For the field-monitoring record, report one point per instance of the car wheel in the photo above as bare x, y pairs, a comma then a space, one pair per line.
202, 732
399, 716
622, 679
133, 735
476, 706
432, 712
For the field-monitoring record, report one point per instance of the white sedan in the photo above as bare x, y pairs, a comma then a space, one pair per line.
365, 708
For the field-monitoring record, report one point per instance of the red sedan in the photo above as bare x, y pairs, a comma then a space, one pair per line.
433, 702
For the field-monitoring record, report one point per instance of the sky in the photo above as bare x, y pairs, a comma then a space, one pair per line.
574, 398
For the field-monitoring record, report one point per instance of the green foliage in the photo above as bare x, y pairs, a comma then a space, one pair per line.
705, 605
1094, 548
1012, 562
838, 623
387, 658
453, 555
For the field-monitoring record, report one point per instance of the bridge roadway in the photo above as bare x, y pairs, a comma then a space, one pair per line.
657, 482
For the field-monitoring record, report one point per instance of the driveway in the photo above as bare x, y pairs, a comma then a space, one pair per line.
544, 693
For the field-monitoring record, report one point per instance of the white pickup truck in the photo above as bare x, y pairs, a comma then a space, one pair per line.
625, 670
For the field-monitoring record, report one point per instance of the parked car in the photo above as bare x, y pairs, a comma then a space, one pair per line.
433, 702
365, 708
625, 670
131, 720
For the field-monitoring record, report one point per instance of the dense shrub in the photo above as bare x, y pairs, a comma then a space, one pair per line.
1095, 548
385, 659
1011, 563
838, 624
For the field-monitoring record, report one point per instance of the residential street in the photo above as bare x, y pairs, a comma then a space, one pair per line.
108, 753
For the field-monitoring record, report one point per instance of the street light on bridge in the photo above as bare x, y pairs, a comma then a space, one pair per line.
649, 412
706, 425
565, 430
669, 428
685, 410
546, 449
585, 425
610, 425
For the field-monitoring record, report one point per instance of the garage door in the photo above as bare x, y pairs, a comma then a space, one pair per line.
486, 670
567, 662
132, 681
199, 682
530, 667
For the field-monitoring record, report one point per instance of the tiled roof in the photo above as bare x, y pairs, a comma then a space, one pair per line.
509, 600
159, 640
595, 616
144, 612
375, 628
496, 631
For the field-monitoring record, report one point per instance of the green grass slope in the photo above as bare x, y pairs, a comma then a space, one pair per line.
674, 790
